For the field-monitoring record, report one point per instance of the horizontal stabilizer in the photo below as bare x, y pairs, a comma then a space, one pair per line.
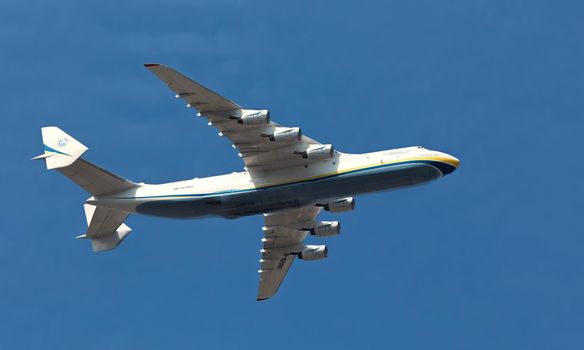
111, 241
105, 227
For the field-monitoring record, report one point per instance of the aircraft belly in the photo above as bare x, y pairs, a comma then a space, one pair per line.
180, 208
279, 197
387, 178
373, 180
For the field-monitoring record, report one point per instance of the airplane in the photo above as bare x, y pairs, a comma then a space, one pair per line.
288, 177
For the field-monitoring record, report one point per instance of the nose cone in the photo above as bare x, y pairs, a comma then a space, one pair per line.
453, 164
454, 161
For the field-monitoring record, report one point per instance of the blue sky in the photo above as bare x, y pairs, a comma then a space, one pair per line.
490, 257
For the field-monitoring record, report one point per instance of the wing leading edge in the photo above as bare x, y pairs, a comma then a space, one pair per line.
198, 96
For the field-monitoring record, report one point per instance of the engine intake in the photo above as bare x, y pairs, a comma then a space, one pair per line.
340, 205
326, 228
254, 117
319, 152
286, 135
313, 252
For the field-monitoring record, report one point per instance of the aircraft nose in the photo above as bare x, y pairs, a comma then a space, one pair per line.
454, 161
453, 164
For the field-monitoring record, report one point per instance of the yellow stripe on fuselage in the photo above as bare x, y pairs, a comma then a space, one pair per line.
370, 165
445, 160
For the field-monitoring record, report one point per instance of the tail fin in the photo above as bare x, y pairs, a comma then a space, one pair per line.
63, 152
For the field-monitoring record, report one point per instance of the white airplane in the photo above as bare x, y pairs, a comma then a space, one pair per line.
288, 177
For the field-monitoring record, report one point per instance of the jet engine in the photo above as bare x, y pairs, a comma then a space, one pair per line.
340, 205
318, 152
254, 117
313, 252
326, 228
285, 135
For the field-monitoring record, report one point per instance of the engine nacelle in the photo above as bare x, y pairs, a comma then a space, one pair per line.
286, 135
313, 252
319, 152
326, 228
254, 117
340, 205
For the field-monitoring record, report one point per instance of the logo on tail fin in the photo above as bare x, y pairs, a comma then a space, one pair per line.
62, 142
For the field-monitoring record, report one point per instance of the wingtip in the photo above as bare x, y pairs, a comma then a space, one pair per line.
152, 64
261, 299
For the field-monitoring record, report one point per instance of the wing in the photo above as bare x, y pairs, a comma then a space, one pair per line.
262, 144
284, 234
198, 96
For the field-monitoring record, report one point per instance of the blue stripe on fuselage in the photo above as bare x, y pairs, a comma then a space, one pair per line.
444, 168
